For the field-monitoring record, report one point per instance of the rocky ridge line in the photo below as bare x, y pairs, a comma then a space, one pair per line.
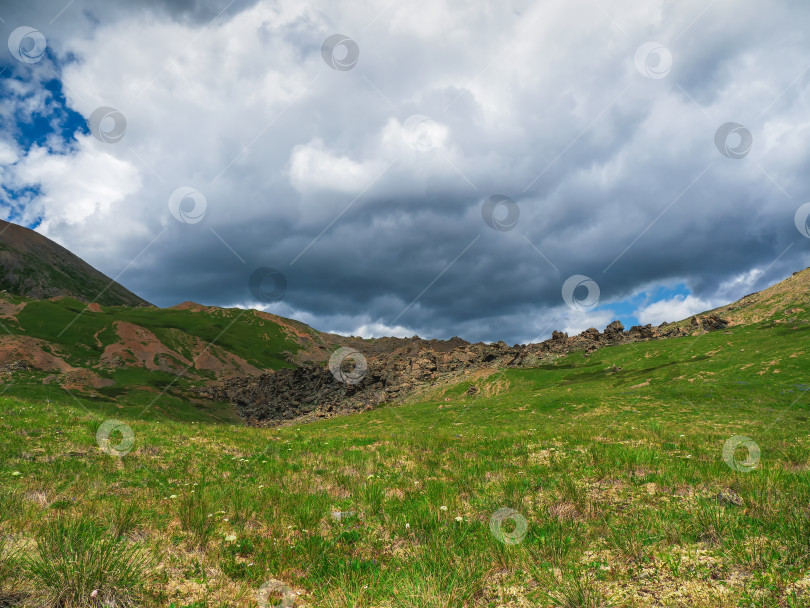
399, 366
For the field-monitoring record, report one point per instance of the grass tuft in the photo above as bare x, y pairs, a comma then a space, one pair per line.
194, 509
575, 591
76, 558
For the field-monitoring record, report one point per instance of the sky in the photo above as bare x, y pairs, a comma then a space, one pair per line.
489, 170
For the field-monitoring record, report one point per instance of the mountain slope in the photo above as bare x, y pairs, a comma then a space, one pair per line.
411, 366
192, 358
780, 302
34, 266
136, 357
669, 472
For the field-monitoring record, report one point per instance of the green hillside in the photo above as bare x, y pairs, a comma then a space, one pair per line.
125, 359
620, 489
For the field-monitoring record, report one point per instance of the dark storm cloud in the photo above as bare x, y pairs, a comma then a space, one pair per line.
58, 16
318, 173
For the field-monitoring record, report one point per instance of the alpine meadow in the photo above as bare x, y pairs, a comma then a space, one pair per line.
376, 304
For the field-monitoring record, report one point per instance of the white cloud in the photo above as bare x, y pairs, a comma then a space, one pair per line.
576, 322
79, 190
739, 285
314, 168
673, 309
8, 153
378, 330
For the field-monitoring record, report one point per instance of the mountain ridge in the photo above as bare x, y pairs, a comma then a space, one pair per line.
311, 391
35, 266
265, 368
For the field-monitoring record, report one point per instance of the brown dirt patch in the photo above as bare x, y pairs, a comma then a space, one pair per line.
138, 346
645, 383
395, 493
36, 353
84, 379
220, 361
193, 307
9, 310
565, 511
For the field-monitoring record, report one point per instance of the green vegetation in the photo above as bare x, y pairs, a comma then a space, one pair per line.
158, 356
68, 324
48, 269
619, 491
76, 558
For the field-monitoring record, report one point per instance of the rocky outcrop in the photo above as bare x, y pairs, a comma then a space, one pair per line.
713, 323
396, 367
313, 391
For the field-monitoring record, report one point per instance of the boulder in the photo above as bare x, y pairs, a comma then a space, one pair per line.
641, 332
714, 322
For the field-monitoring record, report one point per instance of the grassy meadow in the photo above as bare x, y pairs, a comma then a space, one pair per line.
566, 485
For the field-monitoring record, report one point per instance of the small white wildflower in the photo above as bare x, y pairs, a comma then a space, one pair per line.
230, 538
459, 518
443, 508
407, 526
173, 496
16, 474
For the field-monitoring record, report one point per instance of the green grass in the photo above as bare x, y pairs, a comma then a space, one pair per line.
67, 324
193, 511
80, 337
9, 558
620, 478
76, 559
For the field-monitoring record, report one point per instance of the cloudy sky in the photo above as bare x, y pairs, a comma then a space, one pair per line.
489, 169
